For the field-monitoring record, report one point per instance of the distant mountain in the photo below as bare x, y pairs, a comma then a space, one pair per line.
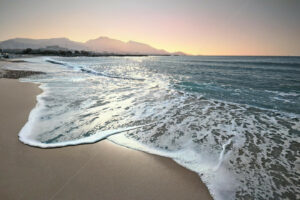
105, 44
101, 44
23, 43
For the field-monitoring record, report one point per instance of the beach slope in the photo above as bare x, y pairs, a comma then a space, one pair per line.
97, 171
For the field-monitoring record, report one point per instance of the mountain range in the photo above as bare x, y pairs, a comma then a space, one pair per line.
101, 45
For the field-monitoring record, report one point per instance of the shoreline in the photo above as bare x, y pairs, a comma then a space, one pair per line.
100, 170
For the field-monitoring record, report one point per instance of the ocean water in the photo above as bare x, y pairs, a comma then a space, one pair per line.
233, 120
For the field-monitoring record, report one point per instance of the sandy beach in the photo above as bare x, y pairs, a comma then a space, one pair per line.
99, 171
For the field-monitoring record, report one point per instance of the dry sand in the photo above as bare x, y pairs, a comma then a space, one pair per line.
96, 171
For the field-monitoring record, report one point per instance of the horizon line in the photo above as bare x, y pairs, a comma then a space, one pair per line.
188, 54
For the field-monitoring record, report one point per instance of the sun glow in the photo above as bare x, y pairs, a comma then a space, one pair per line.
195, 27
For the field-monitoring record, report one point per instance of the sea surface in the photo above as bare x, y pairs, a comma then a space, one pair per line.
233, 120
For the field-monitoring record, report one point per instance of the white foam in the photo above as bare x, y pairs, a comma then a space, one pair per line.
222, 155
219, 180
183, 130
88, 70
283, 94
28, 136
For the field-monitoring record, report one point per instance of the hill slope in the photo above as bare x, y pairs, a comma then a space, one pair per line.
101, 44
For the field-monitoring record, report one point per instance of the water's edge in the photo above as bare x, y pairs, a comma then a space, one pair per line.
103, 135
173, 110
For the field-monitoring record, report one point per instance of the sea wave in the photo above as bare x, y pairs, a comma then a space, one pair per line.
88, 70
233, 147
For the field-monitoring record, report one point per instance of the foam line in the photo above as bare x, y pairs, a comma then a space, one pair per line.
100, 135
88, 70
222, 154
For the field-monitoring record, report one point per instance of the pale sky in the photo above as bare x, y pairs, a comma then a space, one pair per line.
206, 27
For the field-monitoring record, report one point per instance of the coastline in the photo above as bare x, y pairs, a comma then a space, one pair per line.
101, 170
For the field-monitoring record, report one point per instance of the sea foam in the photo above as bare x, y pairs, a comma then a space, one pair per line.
233, 146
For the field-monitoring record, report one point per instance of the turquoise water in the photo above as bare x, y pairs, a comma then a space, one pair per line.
266, 82
233, 120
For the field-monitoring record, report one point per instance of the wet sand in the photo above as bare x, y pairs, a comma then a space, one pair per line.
97, 171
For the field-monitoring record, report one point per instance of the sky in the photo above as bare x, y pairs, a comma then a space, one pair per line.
199, 27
